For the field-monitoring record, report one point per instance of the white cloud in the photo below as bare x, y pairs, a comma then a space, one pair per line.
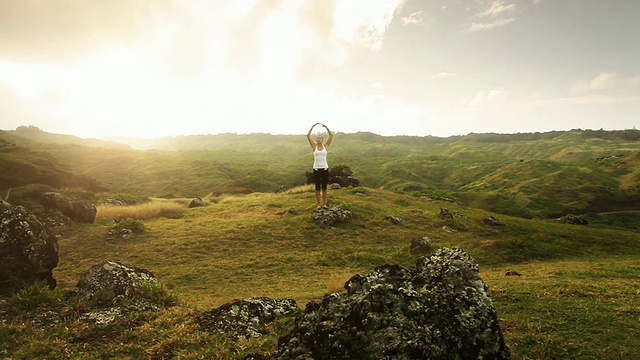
444, 75
605, 81
497, 14
416, 18
364, 21
496, 9
477, 26
377, 88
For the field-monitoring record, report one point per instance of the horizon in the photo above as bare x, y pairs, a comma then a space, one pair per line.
118, 138
389, 67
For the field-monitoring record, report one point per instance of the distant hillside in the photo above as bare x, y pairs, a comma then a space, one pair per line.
37, 135
22, 166
529, 175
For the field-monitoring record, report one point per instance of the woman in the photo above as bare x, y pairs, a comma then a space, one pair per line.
320, 165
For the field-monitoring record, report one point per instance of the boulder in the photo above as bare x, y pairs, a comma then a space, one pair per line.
109, 281
574, 220
445, 214
492, 221
420, 245
327, 217
394, 220
438, 309
28, 251
243, 318
75, 209
196, 202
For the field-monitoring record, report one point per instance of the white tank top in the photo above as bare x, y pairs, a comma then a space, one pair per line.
320, 158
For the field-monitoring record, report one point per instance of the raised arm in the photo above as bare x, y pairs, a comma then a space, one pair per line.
330, 136
313, 146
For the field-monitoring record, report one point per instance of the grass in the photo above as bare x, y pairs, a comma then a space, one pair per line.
145, 211
576, 298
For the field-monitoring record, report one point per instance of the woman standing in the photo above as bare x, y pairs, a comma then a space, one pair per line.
320, 164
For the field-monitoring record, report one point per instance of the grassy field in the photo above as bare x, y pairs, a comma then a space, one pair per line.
577, 296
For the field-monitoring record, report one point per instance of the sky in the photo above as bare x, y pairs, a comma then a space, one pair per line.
153, 68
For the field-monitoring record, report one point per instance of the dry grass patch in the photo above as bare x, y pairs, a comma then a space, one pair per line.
146, 211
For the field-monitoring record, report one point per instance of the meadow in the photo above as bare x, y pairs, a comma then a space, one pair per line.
576, 297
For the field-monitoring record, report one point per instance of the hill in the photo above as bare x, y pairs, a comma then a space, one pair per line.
533, 175
22, 166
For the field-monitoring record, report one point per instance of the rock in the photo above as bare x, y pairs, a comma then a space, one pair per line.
420, 245
75, 209
336, 186
448, 229
394, 220
196, 202
574, 220
110, 281
114, 202
327, 217
242, 319
445, 214
492, 221
512, 273
438, 309
125, 305
127, 227
54, 218
28, 251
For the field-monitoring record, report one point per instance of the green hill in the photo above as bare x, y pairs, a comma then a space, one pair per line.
532, 175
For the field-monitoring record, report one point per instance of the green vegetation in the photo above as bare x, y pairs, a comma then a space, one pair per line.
578, 283
576, 299
534, 175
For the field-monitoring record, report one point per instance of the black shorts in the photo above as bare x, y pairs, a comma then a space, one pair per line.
321, 178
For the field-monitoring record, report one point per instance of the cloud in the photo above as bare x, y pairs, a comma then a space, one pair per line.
364, 21
377, 88
496, 9
477, 26
444, 75
496, 14
416, 18
605, 81
55, 30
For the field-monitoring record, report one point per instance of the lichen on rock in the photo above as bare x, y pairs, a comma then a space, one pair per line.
438, 309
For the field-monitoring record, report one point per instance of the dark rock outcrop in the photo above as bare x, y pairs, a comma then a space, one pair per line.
28, 251
445, 214
394, 220
492, 221
438, 309
327, 217
574, 220
103, 283
243, 318
196, 202
75, 209
420, 245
